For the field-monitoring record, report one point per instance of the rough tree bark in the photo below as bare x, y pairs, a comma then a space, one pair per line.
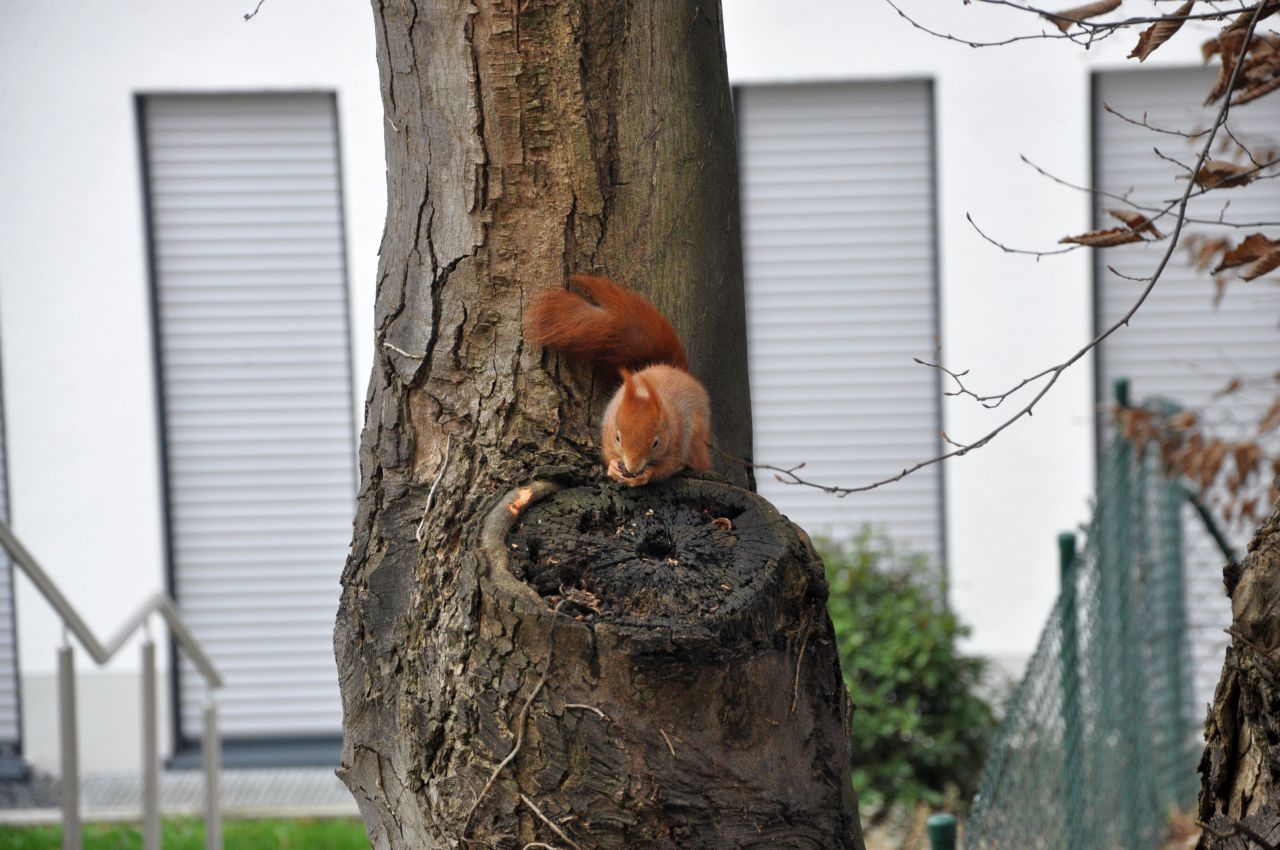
527, 139
1240, 770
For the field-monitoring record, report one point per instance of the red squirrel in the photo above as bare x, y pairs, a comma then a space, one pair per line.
659, 420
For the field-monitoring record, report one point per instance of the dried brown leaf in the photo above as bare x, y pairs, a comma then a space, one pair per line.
1247, 456
1264, 265
1211, 462
1256, 91
1257, 70
1065, 19
1184, 421
1253, 247
1137, 222
1161, 31
1108, 238
1227, 46
1192, 456
1248, 509
1203, 249
1269, 422
1220, 174
1242, 20
1133, 421
1232, 386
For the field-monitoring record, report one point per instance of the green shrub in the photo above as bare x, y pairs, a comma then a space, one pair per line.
920, 729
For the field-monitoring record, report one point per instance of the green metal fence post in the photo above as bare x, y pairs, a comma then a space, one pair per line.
1121, 389
1180, 742
1072, 726
942, 832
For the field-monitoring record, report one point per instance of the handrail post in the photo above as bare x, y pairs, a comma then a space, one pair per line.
211, 756
1072, 726
101, 654
942, 832
150, 755
70, 754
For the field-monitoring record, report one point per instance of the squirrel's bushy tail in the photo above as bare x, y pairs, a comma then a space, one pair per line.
616, 328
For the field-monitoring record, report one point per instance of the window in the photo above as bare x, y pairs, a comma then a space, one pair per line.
253, 354
838, 232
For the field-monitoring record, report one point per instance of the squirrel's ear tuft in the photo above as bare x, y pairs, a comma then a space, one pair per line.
654, 401
628, 384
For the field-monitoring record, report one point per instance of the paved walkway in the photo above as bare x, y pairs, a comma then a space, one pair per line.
259, 793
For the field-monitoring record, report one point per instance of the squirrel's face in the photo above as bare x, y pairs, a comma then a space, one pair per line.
639, 437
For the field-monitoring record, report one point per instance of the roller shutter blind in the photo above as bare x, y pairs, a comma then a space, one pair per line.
1179, 346
252, 325
10, 722
838, 232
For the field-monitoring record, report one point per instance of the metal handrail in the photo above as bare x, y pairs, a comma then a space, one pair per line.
102, 653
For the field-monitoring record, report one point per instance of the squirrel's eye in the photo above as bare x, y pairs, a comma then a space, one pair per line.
655, 442
617, 436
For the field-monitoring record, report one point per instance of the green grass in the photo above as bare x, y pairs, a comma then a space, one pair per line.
188, 834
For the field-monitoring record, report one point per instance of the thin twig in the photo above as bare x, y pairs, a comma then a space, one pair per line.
667, 739
1143, 123
1126, 23
968, 42
1155, 213
251, 15
961, 389
1123, 276
431, 494
557, 830
397, 349
795, 684
1173, 160
1008, 250
585, 707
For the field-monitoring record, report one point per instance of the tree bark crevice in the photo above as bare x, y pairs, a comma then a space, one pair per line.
1240, 768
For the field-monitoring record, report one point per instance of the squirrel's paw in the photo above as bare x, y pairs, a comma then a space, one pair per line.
639, 480
616, 472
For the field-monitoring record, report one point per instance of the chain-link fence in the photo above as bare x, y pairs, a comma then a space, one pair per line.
1101, 739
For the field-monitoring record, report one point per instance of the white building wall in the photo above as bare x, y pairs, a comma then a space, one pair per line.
74, 317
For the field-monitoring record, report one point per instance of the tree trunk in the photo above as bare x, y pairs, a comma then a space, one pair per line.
527, 140
1240, 770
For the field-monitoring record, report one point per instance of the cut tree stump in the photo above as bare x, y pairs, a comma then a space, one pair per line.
688, 692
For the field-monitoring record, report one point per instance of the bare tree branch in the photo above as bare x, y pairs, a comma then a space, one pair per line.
1153, 212
1125, 23
972, 43
1008, 250
788, 475
1143, 123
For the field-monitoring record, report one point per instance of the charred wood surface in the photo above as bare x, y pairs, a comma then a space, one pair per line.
694, 698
